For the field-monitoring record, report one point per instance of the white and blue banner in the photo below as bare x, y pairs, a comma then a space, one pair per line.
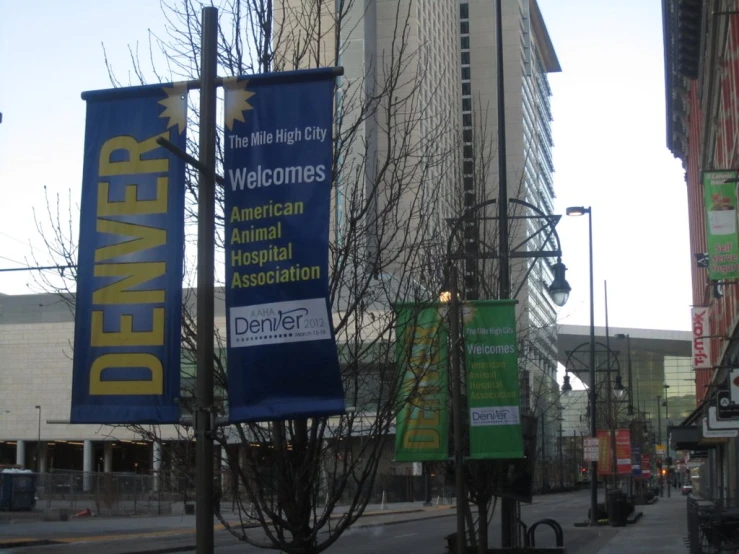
282, 357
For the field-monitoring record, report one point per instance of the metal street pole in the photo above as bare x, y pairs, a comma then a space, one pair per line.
38, 441
667, 442
426, 484
630, 409
659, 441
593, 420
457, 407
508, 508
544, 472
205, 285
580, 210
612, 411
561, 461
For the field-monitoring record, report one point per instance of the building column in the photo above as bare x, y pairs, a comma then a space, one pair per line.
87, 455
108, 456
20, 453
156, 464
43, 451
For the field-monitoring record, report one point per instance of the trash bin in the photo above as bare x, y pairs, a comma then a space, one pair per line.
618, 508
17, 489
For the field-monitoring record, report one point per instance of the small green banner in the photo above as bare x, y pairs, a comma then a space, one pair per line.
722, 245
422, 422
491, 360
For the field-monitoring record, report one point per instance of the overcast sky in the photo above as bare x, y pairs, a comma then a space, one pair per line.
609, 133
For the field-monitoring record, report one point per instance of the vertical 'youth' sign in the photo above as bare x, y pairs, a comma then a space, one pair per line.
282, 359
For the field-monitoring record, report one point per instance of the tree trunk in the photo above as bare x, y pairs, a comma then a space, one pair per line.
482, 527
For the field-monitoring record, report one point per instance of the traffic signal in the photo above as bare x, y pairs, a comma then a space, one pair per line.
664, 471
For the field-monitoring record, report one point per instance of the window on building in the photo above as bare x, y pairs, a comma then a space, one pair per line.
464, 11
465, 43
466, 73
464, 28
466, 89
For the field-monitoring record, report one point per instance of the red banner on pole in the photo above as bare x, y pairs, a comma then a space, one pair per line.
604, 452
623, 451
646, 466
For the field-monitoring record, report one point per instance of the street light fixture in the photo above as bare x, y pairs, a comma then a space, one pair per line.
618, 388
566, 386
560, 289
576, 211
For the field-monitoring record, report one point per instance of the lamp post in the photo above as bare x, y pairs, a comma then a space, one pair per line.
630, 407
559, 291
668, 458
457, 408
576, 211
659, 422
561, 461
38, 440
667, 417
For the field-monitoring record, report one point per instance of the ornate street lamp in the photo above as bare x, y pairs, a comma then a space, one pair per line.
618, 388
560, 289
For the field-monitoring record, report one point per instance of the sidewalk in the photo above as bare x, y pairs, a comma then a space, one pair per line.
662, 528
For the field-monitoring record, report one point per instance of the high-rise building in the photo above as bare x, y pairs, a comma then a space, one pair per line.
398, 103
451, 72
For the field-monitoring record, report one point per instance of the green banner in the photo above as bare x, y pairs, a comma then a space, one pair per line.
491, 360
423, 421
719, 197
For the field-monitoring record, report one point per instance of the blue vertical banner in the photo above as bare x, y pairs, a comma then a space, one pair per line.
282, 357
130, 264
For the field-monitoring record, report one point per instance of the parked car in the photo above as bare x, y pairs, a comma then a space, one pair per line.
687, 489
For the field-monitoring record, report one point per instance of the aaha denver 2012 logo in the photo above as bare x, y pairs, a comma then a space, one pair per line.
279, 322
499, 415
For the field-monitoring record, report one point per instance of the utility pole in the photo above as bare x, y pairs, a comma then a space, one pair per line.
561, 464
544, 472
508, 508
204, 414
457, 409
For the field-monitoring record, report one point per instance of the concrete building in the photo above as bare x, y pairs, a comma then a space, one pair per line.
399, 98
662, 382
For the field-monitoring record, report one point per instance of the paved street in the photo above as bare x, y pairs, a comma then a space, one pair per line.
403, 529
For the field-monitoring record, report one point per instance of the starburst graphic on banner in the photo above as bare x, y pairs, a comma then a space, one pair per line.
468, 313
175, 106
236, 101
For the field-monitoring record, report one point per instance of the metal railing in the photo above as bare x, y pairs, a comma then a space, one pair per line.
713, 526
106, 494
